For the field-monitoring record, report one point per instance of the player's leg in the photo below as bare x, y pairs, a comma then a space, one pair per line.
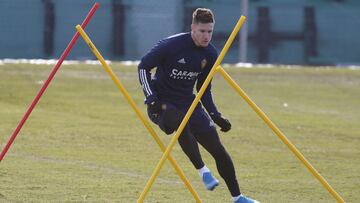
208, 137
190, 146
211, 142
169, 121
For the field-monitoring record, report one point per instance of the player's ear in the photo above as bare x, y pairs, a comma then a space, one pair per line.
192, 26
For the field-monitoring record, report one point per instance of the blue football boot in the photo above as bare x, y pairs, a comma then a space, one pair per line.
209, 181
244, 199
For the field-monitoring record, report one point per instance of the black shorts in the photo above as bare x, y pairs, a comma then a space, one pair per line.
199, 121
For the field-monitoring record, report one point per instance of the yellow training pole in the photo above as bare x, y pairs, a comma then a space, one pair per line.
136, 109
276, 130
191, 109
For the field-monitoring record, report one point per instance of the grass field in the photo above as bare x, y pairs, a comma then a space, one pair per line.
83, 143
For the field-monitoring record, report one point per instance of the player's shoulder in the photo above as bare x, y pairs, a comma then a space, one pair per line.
179, 38
174, 42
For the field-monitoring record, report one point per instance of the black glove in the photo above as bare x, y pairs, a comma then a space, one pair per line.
222, 122
155, 107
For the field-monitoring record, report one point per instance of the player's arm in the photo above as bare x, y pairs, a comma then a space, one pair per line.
147, 63
207, 99
208, 102
153, 58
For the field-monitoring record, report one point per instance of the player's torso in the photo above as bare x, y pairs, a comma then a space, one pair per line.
185, 65
178, 72
184, 61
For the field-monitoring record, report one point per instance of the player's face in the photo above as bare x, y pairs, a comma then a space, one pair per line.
201, 33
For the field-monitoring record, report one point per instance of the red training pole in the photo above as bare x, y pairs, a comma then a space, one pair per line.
51, 76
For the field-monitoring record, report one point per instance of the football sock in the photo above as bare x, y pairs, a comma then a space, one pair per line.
203, 170
236, 198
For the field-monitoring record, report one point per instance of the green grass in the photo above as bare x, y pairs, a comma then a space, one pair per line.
83, 143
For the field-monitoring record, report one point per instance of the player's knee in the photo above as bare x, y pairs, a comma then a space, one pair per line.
171, 120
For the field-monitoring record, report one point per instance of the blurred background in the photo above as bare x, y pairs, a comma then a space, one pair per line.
304, 32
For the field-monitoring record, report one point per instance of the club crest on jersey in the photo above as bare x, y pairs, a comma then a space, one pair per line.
203, 63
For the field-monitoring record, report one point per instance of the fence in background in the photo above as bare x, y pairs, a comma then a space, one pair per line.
279, 31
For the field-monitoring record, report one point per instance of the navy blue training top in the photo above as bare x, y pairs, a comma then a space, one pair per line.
180, 63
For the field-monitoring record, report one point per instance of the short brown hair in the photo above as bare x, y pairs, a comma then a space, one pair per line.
203, 15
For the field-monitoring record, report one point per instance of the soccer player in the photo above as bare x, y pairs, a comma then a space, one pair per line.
181, 61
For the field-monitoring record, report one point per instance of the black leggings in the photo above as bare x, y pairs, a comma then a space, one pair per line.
169, 121
211, 142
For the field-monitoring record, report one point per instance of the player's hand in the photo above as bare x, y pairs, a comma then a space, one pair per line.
222, 122
154, 107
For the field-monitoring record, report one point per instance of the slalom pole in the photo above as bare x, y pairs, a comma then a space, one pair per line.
280, 135
192, 107
137, 111
45, 85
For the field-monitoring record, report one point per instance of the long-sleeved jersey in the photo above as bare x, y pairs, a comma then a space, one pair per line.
180, 63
